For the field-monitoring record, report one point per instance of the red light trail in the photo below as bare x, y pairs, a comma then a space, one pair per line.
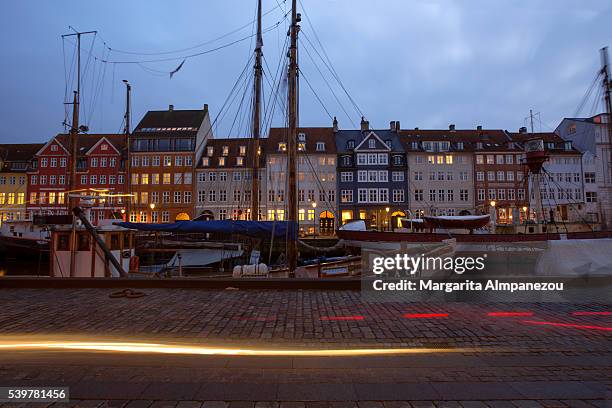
509, 314
575, 326
424, 315
592, 314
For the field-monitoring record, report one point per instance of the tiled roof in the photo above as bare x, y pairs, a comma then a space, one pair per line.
19, 152
547, 137
170, 122
87, 141
313, 135
233, 150
16, 157
491, 139
343, 136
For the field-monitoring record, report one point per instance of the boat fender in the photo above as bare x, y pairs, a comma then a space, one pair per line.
134, 263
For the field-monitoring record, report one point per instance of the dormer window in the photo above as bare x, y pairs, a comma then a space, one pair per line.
389, 143
372, 144
282, 147
568, 145
239, 161
350, 144
427, 146
225, 151
243, 150
550, 145
510, 145
414, 145
210, 150
320, 146
54, 148
397, 160
346, 160
459, 145
221, 161
479, 145
302, 137
444, 146
205, 161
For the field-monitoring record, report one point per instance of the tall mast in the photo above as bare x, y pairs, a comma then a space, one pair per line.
75, 128
72, 199
292, 140
256, 119
607, 88
74, 134
126, 131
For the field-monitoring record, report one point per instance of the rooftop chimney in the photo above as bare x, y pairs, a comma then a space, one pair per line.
523, 130
479, 127
206, 107
365, 125
392, 126
171, 108
335, 125
397, 126
451, 127
416, 128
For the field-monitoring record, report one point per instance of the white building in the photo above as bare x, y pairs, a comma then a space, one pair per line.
316, 179
224, 183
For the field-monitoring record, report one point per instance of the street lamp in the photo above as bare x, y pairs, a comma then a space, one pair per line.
314, 219
494, 215
387, 219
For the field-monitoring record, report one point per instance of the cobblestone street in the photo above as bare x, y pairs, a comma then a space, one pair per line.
479, 355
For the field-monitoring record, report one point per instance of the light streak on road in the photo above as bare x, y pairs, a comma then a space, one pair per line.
128, 347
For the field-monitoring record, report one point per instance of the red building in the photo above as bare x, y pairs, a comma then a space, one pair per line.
100, 174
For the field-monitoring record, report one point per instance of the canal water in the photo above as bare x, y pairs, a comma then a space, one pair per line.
29, 267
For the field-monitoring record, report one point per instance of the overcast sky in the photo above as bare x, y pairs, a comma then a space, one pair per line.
427, 63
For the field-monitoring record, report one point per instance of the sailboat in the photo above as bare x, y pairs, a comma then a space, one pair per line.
256, 229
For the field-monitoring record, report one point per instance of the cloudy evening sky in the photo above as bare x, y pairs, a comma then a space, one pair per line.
426, 63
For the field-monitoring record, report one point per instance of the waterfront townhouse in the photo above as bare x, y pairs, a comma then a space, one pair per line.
15, 160
316, 179
593, 137
164, 148
224, 179
101, 176
562, 181
372, 176
501, 183
441, 171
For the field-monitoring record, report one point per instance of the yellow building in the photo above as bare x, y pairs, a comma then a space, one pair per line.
14, 162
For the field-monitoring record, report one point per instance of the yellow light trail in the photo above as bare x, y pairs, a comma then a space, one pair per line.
127, 347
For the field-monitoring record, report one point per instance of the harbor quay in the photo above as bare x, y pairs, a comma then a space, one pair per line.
226, 347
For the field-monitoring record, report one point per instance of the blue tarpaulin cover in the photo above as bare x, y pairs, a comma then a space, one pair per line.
257, 229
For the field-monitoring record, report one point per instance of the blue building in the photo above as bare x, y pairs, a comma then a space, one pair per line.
371, 176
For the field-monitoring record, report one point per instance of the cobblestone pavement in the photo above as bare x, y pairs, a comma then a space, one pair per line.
549, 355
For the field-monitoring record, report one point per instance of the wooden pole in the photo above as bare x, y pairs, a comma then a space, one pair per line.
256, 119
128, 164
292, 250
